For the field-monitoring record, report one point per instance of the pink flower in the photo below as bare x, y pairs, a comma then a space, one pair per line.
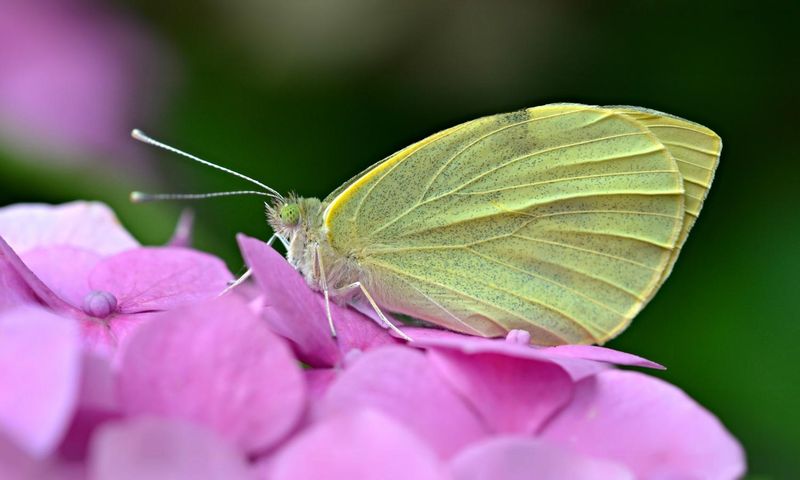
565, 411
650, 426
212, 387
214, 364
366, 444
401, 382
361, 445
494, 375
153, 448
40, 359
293, 311
72, 78
627, 417
197, 388
202, 377
517, 457
453, 399
460, 406
77, 260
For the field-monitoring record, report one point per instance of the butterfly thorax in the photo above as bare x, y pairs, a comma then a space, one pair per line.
300, 221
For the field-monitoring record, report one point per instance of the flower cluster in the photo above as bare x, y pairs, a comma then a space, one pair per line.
119, 361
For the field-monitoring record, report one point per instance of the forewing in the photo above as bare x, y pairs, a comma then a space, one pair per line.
377, 167
558, 219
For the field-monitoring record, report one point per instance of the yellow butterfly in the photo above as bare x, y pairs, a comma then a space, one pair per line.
562, 220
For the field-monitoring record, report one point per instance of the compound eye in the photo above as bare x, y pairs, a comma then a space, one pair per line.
290, 214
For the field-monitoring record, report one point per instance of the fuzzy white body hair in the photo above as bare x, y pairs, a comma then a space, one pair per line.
308, 239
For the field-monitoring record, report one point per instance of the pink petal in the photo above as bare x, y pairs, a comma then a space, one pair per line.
182, 236
64, 269
218, 365
522, 458
435, 336
297, 313
39, 377
74, 447
97, 404
161, 449
86, 225
14, 290
318, 380
441, 339
361, 445
98, 388
64, 471
104, 336
513, 395
363, 306
648, 425
400, 382
601, 354
22, 282
162, 278
16, 463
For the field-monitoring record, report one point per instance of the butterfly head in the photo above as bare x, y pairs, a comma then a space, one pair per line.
297, 222
289, 214
292, 214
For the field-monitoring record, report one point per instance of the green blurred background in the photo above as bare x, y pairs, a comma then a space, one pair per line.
302, 94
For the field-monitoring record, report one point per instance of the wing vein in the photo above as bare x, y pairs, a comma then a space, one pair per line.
696, 182
534, 217
556, 214
694, 148
587, 250
566, 179
432, 199
618, 235
396, 164
448, 312
549, 280
692, 163
548, 150
678, 127
599, 279
481, 138
484, 302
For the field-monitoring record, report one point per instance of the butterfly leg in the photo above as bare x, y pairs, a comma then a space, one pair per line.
378, 310
237, 282
324, 284
245, 275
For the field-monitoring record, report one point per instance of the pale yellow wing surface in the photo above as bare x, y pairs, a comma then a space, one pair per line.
402, 153
696, 150
559, 219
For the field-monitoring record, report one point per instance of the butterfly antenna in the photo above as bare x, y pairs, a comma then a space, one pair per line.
141, 197
142, 137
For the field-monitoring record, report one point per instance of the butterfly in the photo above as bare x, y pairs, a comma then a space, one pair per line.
561, 220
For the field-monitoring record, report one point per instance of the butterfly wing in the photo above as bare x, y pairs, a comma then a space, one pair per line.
562, 220
402, 153
696, 150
